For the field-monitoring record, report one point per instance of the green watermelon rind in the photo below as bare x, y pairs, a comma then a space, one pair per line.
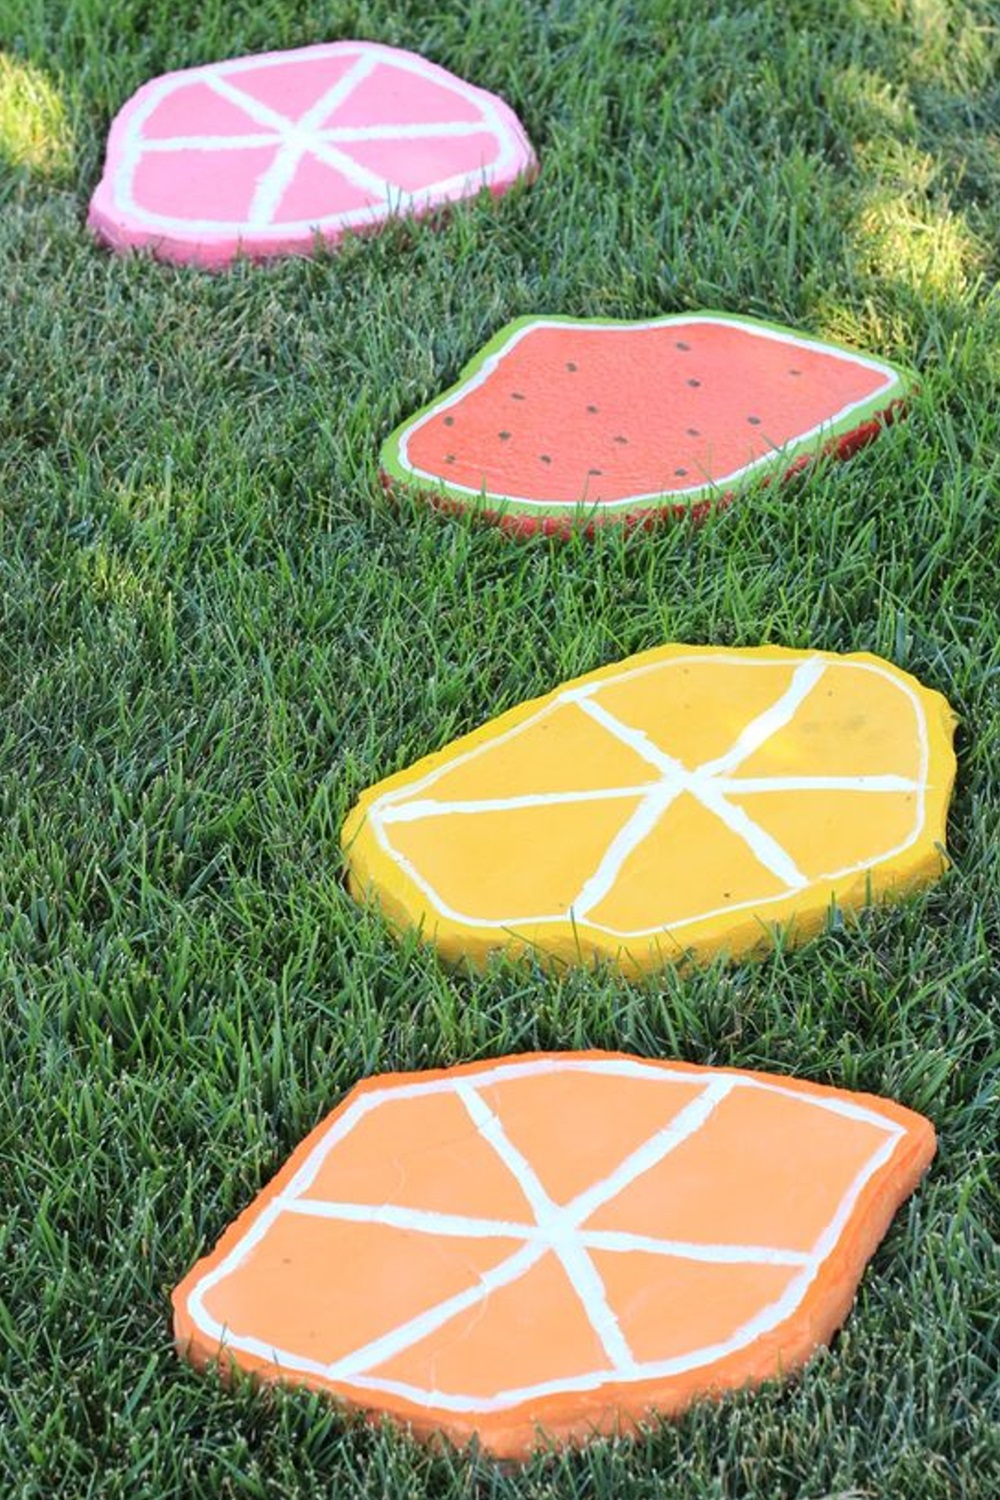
810, 445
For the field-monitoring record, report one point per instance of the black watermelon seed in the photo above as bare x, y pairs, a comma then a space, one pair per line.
591, 408
795, 372
754, 421
449, 421
545, 458
504, 437
449, 458
516, 396
680, 345
694, 382
595, 471
570, 365
693, 432
620, 439
680, 472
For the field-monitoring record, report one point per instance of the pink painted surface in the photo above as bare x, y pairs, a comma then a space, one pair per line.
260, 155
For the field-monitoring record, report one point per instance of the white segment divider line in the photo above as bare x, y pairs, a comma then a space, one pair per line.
428, 807
701, 783
429, 130
728, 786
636, 739
686, 1123
628, 838
378, 1350
462, 1226
743, 786
766, 725
252, 140
254, 108
556, 1228
301, 140
765, 849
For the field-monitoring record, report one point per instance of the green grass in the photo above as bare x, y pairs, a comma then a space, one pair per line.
216, 631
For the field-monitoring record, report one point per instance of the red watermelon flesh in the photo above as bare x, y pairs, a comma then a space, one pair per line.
570, 413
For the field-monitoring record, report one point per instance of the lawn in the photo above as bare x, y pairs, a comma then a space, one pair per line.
217, 631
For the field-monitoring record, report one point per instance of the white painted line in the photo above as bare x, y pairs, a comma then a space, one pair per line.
745, 786
248, 142
273, 185
625, 842
414, 812
253, 108
413, 1220
462, 1226
686, 1123
582, 1273
729, 786
620, 1242
384, 1348
340, 135
765, 849
636, 739
766, 724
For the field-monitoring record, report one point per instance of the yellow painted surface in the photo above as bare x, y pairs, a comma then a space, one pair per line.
689, 800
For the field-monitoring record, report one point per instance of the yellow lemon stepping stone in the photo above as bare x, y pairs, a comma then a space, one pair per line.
688, 800
546, 1247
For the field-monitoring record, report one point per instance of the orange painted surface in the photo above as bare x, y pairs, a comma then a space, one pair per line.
687, 801
548, 1247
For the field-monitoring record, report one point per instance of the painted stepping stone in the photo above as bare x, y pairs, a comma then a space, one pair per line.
558, 420
548, 1247
687, 801
259, 155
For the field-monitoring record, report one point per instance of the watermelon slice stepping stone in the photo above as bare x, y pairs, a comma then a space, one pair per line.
260, 155
548, 1247
686, 801
558, 420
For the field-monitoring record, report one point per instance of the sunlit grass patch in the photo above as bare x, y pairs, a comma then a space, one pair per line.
35, 134
905, 230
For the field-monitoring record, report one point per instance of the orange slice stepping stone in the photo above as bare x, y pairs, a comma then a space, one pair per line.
688, 800
261, 155
557, 419
552, 1246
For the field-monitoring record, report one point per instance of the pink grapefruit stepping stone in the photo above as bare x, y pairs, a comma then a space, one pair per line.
552, 1246
559, 420
259, 155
